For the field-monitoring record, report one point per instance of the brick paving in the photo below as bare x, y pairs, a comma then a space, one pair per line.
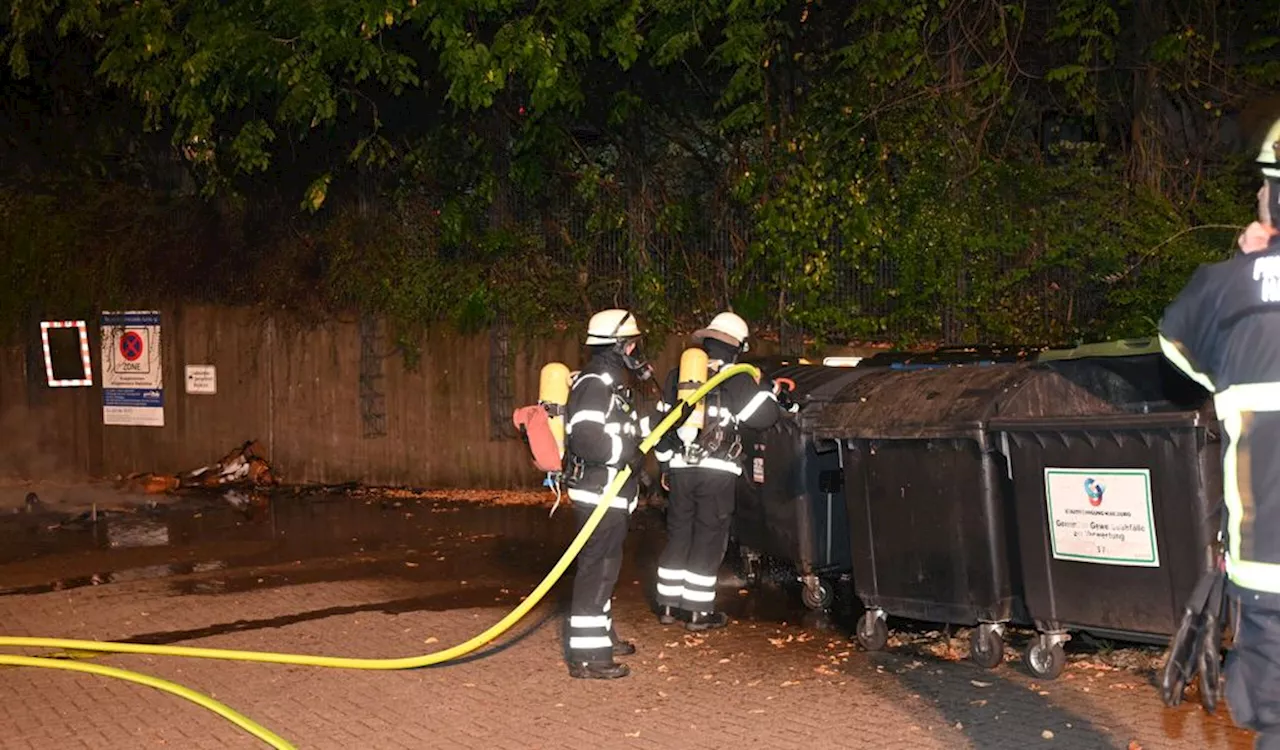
761, 683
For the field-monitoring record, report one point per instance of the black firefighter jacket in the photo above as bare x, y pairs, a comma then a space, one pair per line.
736, 402
602, 433
1223, 331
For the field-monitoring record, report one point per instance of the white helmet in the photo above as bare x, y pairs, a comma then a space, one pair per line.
611, 326
725, 327
1267, 156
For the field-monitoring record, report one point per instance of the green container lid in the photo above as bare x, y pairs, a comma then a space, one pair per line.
1116, 348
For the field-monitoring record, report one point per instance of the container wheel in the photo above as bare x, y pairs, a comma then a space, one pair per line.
986, 647
873, 634
749, 566
818, 596
1044, 659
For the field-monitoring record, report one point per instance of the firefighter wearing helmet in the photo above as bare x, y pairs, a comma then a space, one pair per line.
602, 436
1223, 331
701, 463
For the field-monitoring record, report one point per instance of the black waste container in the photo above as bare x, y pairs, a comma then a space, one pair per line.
1116, 512
790, 504
929, 494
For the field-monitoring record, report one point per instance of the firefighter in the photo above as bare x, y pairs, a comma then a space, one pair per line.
602, 436
1223, 331
701, 475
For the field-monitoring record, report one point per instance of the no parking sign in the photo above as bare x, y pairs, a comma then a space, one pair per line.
132, 382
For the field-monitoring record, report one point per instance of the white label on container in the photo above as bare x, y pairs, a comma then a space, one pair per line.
1102, 516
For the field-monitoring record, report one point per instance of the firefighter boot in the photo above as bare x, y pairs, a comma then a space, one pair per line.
706, 621
598, 670
623, 648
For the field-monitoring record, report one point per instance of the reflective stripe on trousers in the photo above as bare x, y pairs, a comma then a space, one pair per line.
1232, 406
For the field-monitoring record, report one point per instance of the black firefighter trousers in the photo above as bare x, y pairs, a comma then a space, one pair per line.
590, 626
1253, 675
699, 515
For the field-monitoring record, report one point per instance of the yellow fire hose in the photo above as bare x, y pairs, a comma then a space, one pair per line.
221, 709
409, 662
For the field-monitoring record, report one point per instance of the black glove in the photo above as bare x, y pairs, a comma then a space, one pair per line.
670, 442
787, 402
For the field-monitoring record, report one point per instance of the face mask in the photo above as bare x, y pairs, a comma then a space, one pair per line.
635, 363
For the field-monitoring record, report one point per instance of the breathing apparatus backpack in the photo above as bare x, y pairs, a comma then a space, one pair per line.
541, 425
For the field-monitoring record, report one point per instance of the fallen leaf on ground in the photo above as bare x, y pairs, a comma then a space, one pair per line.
976, 683
1047, 734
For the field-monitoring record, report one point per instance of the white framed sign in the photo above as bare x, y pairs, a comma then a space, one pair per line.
1102, 516
84, 377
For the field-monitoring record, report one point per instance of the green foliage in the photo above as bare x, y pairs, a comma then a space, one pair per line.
394, 265
905, 169
69, 250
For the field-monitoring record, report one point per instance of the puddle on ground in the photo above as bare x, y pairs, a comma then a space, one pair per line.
370, 538
211, 545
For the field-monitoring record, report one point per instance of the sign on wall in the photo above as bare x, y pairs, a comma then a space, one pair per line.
1102, 516
66, 353
202, 379
132, 382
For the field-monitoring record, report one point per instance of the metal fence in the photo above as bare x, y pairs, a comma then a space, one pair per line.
708, 266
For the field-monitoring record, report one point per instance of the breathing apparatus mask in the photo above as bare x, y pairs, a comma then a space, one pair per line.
634, 361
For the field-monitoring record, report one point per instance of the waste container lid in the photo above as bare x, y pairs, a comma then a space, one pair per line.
1140, 383
1116, 348
818, 382
961, 401
952, 355
934, 402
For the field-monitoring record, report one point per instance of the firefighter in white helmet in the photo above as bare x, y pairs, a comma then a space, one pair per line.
602, 436
1223, 331
701, 476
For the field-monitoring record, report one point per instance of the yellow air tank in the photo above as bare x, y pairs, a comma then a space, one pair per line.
693, 373
553, 394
